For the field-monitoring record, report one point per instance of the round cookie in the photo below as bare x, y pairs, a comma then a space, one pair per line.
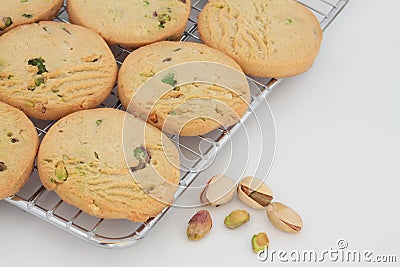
109, 164
132, 23
50, 69
187, 109
268, 38
17, 12
19, 142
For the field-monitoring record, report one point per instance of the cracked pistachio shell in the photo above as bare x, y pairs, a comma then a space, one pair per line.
284, 218
199, 225
219, 190
254, 193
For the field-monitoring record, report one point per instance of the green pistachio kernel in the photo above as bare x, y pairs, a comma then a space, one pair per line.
27, 16
142, 155
169, 79
147, 74
163, 19
39, 63
30, 103
5, 23
288, 21
61, 172
236, 218
259, 242
39, 81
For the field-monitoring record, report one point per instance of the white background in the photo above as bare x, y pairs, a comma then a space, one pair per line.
337, 164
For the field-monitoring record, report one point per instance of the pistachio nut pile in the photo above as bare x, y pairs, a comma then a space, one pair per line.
221, 189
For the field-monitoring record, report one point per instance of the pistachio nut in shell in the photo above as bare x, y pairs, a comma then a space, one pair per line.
236, 218
199, 225
259, 242
219, 190
284, 218
254, 193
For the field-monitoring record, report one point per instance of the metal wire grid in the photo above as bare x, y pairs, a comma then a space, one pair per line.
197, 151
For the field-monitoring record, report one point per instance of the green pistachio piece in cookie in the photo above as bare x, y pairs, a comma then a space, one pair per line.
8, 21
5, 23
142, 155
39, 63
27, 16
147, 74
170, 79
163, 19
30, 103
288, 21
39, 81
61, 172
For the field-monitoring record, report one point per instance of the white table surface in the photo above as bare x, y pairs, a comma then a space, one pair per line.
336, 163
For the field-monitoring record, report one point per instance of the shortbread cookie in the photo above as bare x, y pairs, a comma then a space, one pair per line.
82, 159
17, 12
19, 142
268, 38
51, 69
132, 23
150, 86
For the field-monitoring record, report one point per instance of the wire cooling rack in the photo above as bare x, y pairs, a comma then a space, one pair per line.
36, 200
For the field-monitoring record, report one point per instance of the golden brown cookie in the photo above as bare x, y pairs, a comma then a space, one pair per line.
132, 23
268, 38
17, 12
183, 88
109, 164
18, 146
50, 69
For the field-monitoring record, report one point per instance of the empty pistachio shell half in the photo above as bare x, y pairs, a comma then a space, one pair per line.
219, 190
284, 218
254, 193
199, 225
259, 242
236, 218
